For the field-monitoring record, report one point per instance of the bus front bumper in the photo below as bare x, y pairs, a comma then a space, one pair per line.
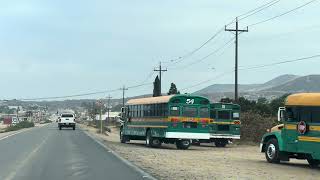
224, 136
187, 135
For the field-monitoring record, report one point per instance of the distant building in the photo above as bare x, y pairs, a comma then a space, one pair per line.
113, 117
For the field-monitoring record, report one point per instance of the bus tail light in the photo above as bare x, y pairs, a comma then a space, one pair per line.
237, 122
174, 122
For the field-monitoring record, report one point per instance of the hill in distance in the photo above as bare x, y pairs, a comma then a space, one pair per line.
274, 88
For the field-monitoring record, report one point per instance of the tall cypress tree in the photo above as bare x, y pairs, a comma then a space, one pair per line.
156, 87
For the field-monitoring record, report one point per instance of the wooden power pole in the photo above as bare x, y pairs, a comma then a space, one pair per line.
160, 72
236, 32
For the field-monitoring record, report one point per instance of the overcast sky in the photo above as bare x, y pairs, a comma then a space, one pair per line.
65, 47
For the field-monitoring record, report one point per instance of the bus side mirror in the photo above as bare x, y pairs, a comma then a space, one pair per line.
281, 114
122, 114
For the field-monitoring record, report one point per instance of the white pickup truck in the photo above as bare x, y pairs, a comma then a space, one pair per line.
67, 120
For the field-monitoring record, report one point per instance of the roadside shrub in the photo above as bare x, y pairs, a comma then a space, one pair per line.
20, 125
254, 125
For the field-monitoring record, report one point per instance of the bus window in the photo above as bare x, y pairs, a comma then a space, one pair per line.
305, 114
189, 111
174, 111
212, 114
236, 115
204, 112
316, 115
224, 115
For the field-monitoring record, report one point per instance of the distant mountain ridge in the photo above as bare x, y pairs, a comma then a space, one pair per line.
278, 86
218, 88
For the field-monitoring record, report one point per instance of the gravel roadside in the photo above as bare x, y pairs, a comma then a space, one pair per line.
205, 161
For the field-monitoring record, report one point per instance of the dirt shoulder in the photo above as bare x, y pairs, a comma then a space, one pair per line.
205, 161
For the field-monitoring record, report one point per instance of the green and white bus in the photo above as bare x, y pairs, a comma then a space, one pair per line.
224, 124
173, 119
299, 135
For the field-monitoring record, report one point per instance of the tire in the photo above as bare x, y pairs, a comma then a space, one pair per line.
123, 138
60, 127
221, 143
313, 162
74, 127
196, 143
151, 141
272, 151
183, 144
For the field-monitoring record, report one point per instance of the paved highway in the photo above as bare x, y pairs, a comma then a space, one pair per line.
45, 153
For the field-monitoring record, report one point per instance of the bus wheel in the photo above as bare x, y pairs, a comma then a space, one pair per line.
272, 151
152, 142
183, 144
123, 138
313, 162
221, 143
196, 142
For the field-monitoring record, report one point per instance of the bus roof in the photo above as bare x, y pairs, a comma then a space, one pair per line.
303, 99
161, 99
150, 100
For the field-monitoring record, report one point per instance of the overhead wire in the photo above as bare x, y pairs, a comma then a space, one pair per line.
259, 10
253, 67
207, 56
247, 14
282, 14
81, 95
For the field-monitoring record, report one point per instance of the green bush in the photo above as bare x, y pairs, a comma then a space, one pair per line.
254, 125
20, 125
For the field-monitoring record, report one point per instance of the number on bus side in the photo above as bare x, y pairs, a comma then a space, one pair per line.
190, 101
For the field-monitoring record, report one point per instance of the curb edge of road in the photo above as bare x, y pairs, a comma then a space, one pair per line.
98, 140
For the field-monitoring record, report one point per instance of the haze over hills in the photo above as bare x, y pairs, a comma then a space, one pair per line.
274, 88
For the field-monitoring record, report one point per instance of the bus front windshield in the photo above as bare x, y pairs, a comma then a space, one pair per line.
190, 111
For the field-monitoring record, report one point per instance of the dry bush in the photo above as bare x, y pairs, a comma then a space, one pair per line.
254, 125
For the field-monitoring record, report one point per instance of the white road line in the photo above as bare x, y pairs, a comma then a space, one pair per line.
144, 174
24, 162
5, 137
20, 131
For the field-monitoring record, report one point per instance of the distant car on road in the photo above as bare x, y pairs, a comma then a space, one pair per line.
67, 120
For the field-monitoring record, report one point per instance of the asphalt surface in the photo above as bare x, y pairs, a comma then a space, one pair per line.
45, 153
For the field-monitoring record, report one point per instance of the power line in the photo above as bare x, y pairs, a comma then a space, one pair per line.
281, 62
253, 67
257, 10
247, 14
179, 59
205, 57
282, 14
208, 80
81, 95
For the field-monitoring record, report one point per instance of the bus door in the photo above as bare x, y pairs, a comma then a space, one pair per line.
289, 132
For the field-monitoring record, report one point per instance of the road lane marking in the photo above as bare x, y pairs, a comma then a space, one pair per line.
20, 131
5, 137
144, 174
24, 162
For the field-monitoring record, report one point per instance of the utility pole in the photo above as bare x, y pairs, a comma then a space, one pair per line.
108, 108
237, 30
123, 90
100, 104
160, 72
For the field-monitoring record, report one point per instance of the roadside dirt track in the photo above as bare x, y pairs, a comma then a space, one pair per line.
207, 161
